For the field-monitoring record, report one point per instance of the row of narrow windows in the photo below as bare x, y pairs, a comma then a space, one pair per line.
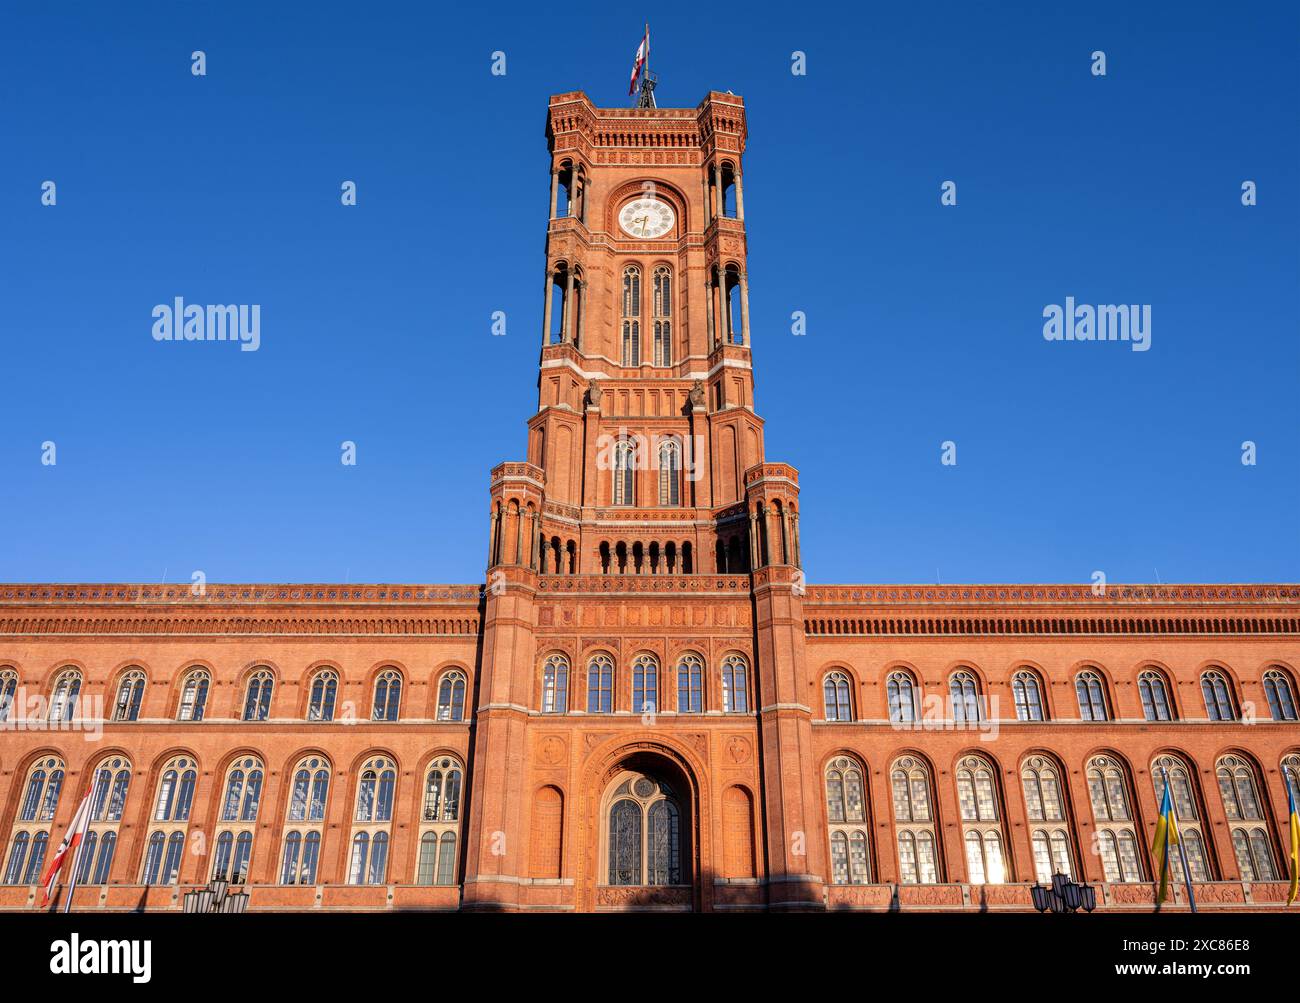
304, 813
259, 688
965, 702
1056, 848
605, 686
979, 625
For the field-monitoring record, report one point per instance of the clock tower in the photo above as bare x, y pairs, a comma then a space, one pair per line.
644, 594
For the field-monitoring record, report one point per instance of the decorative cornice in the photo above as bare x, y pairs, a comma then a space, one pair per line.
867, 596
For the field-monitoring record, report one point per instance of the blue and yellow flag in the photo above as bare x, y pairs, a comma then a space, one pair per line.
1166, 836
1295, 843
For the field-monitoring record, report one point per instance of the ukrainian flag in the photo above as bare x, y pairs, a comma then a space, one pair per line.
1295, 843
1167, 836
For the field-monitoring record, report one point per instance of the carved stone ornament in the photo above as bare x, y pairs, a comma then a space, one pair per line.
697, 394
594, 393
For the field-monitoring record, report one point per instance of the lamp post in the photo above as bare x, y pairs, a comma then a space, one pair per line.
217, 897
1063, 895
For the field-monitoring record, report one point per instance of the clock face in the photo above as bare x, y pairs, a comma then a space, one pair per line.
646, 218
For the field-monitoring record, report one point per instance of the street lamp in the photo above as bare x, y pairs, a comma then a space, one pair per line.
1063, 895
217, 897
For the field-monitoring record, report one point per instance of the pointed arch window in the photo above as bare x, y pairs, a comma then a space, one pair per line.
1183, 798
690, 684
194, 696
308, 800
624, 472
837, 697
645, 685
670, 473
1280, 696
451, 696
631, 316
1108, 790
964, 697
8, 689
1092, 696
63, 698
903, 702
1154, 694
1045, 804
643, 834
257, 702
846, 813
555, 685
388, 696
130, 692
1218, 696
663, 313
1027, 694
600, 685
735, 686
914, 822
439, 823
29, 836
324, 690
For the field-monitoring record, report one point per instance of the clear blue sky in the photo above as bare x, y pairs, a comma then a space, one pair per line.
924, 322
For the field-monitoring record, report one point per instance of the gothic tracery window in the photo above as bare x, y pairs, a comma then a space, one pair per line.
625, 452
194, 696
63, 698
663, 312
837, 697
240, 802
735, 688
171, 815
982, 834
846, 815
903, 700
690, 684
388, 696
257, 700
30, 835
631, 316
644, 838
111, 780
376, 790
1091, 695
670, 472
1218, 696
1280, 696
1239, 788
555, 685
1108, 790
308, 798
324, 691
8, 691
600, 685
914, 822
1045, 805
1183, 799
1027, 695
645, 685
130, 692
964, 700
439, 823
451, 696
1154, 694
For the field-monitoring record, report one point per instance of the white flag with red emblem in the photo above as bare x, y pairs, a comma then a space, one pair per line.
642, 54
76, 832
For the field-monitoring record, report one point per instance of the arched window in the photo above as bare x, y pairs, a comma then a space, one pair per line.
1116, 843
388, 696
914, 822
194, 696
374, 814
624, 472
308, 799
110, 782
670, 472
130, 691
903, 701
8, 687
451, 696
1218, 696
645, 685
846, 813
837, 697
690, 684
63, 698
176, 791
735, 688
30, 834
643, 838
631, 316
1045, 804
257, 703
600, 685
239, 805
1027, 695
1092, 696
964, 697
1154, 694
439, 823
324, 690
1291, 775
1183, 799
555, 685
171, 816
663, 313
162, 860
1278, 692
1239, 787
981, 822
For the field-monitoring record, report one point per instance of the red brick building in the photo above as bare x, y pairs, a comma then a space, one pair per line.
645, 705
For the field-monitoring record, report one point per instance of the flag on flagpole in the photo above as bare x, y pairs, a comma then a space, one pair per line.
642, 54
76, 832
1166, 836
1295, 843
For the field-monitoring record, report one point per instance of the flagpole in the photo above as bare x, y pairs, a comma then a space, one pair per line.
1182, 854
72, 884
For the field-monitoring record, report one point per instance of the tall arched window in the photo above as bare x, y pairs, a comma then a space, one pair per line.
130, 691
110, 783
964, 697
63, 698
631, 316
1108, 789
1239, 787
324, 690
239, 805
670, 472
663, 313
600, 685
388, 696
645, 685
1278, 692
643, 837
1218, 696
171, 816
555, 685
439, 823
837, 697
451, 696
1183, 798
903, 702
1045, 804
909, 780
376, 788
1092, 696
1154, 694
257, 702
981, 822
194, 696
308, 799
1027, 694
625, 472
846, 813
30, 834
1291, 775
735, 685
8, 689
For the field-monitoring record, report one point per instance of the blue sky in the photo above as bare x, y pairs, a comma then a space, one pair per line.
924, 321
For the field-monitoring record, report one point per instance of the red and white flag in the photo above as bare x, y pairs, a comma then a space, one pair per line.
76, 832
642, 54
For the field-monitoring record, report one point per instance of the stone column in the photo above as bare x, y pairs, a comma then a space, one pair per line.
708, 310
568, 307
546, 309
740, 200
718, 197
744, 309
555, 190
581, 288
755, 550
